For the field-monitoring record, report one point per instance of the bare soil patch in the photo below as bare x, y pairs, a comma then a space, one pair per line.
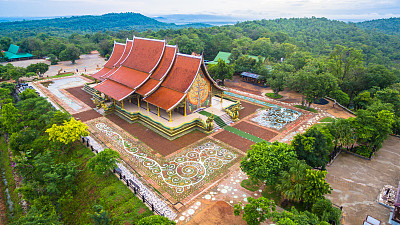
256, 130
87, 115
237, 83
78, 93
218, 213
234, 140
248, 109
154, 140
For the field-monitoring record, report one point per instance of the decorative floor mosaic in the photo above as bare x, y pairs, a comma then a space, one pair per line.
276, 118
179, 175
159, 204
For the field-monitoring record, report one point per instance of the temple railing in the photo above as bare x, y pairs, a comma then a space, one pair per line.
165, 130
88, 89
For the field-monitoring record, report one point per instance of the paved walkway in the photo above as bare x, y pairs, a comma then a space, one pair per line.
90, 61
357, 182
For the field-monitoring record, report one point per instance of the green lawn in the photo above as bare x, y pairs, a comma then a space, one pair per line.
56, 76
108, 191
328, 119
272, 95
305, 108
249, 185
238, 132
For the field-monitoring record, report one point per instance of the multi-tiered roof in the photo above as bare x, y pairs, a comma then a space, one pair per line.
151, 69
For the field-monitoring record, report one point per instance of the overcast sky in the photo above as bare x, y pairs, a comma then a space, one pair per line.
251, 9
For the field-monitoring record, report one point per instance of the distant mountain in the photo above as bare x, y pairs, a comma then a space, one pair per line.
181, 19
106, 22
387, 26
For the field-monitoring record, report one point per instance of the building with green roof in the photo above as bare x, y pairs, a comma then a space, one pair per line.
225, 56
15, 53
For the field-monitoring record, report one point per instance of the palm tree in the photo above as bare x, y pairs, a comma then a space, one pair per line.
292, 183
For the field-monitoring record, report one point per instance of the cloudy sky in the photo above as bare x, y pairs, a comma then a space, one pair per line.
250, 9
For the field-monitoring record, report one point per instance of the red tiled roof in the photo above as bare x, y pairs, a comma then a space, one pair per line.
116, 55
127, 50
165, 98
147, 87
101, 73
177, 82
113, 89
182, 73
159, 74
145, 54
165, 63
129, 77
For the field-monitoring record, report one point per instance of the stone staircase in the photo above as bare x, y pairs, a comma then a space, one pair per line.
225, 120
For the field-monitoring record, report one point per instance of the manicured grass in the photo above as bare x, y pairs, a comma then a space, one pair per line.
272, 95
56, 76
305, 108
108, 191
249, 185
238, 132
244, 134
328, 119
5, 167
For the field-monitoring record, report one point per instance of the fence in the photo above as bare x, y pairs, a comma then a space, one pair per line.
129, 183
337, 103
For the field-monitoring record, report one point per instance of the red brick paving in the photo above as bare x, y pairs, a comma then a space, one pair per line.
256, 130
87, 115
154, 140
234, 140
81, 95
248, 109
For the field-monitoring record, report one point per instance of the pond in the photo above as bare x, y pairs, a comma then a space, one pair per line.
276, 118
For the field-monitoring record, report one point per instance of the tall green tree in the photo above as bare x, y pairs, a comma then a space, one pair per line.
69, 132
256, 211
9, 117
104, 161
221, 71
156, 220
313, 146
71, 53
264, 161
315, 186
292, 183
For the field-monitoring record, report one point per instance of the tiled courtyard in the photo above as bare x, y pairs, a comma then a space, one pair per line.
196, 170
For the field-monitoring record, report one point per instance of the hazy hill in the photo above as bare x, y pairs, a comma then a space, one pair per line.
387, 26
106, 22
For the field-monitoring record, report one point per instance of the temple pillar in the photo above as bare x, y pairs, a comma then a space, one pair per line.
138, 101
130, 100
158, 111
170, 120
222, 97
114, 101
122, 104
185, 106
147, 106
211, 95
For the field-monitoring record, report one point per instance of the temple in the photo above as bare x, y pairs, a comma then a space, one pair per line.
150, 81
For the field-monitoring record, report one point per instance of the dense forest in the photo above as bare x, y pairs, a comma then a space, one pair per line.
86, 24
387, 26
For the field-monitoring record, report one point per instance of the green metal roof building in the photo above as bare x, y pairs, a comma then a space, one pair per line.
225, 56
15, 53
